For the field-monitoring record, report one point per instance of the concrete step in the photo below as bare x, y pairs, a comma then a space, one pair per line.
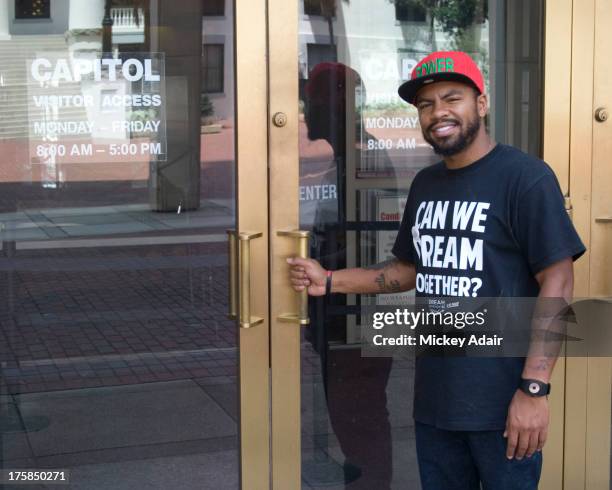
7, 120
24, 101
17, 112
34, 41
23, 109
22, 88
14, 52
28, 37
15, 105
43, 47
14, 123
33, 48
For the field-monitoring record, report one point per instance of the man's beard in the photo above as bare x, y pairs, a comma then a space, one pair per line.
457, 143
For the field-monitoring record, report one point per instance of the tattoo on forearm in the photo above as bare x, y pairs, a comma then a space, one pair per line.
386, 285
392, 286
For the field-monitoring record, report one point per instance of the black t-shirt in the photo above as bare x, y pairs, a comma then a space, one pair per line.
483, 230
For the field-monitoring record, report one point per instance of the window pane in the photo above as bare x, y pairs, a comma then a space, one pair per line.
212, 68
409, 11
320, 53
32, 9
213, 7
320, 7
312, 7
116, 353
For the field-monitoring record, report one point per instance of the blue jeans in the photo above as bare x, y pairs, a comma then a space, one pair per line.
458, 460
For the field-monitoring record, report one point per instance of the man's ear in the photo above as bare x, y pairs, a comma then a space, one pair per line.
482, 103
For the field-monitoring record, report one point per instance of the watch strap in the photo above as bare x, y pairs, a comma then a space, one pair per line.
534, 387
328, 283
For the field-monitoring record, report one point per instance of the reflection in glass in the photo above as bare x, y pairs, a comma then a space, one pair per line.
32, 9
117, 358
360, 148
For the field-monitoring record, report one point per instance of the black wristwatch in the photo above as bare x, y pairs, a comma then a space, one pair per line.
533, 387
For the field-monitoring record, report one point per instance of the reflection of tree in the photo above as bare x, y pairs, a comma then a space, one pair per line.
457, 18
206, 107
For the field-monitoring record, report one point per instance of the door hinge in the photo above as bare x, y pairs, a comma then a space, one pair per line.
568, 205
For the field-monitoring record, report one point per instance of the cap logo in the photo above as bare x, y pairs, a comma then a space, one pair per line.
435, 66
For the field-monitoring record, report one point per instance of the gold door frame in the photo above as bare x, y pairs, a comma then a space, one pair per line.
581, 29
557, 83
284, 216
599, 381
252, 219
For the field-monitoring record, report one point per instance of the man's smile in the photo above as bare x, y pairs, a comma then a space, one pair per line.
444, 129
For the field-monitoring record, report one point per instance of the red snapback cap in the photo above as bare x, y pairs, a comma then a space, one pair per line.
453, 66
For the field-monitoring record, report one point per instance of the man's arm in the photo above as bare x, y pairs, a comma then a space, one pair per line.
528, 417
556, 289
391, 276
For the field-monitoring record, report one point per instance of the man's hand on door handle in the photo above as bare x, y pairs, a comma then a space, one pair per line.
391, 276
307, 273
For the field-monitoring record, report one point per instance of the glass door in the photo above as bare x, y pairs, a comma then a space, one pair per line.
341, 165
122, 172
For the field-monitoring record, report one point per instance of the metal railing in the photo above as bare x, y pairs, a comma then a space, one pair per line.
126, 18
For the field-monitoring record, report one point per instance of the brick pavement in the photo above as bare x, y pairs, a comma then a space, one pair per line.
123, 315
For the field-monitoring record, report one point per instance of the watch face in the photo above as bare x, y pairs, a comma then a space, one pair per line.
534, 388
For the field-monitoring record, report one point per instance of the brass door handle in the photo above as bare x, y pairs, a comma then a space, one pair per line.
301, 317
233, 274
601, 114
244, 275
604, 219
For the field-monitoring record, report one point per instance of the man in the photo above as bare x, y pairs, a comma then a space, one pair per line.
499, 215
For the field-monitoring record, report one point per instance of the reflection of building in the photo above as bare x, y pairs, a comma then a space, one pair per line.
399, 35
217, 56
74, 33
80, 21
